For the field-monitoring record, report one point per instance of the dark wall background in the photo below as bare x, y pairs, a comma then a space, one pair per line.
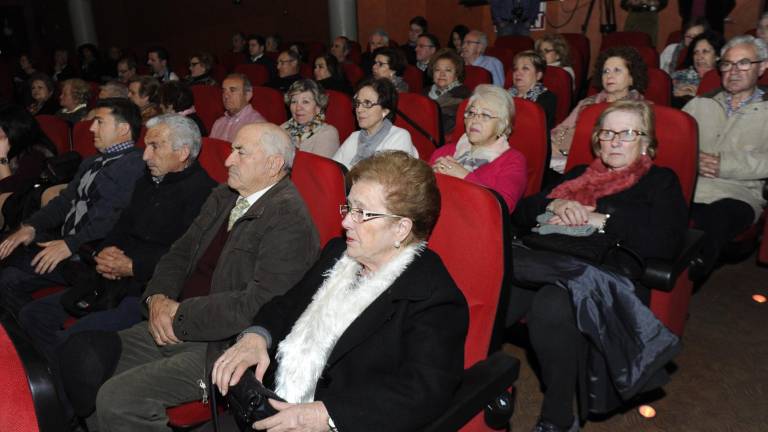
183, 26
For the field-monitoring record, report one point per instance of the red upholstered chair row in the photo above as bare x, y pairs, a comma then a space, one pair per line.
581, 49
475, 75
415, 78
320, 182
267, 101
339, 113
514, 43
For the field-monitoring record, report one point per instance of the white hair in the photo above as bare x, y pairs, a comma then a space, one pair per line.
758, 44
183, 132
277, 142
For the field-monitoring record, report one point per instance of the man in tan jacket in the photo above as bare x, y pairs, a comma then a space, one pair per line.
733, 151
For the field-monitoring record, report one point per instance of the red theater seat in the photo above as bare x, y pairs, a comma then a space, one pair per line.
270, 103
320, 182
212, 156
340, 114
475, 75
82, 139
56, 129
257, 74
208, 104
423, 122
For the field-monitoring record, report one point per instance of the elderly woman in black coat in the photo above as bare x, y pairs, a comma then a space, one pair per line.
372, 337
621, 196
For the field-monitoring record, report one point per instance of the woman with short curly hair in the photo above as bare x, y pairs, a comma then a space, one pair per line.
620, 74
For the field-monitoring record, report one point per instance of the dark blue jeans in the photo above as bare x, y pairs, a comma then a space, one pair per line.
18, 279
43, 321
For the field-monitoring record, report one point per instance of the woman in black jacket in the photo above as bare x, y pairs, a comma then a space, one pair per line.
622, 196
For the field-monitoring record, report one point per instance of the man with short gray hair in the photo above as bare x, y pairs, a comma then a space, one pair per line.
164, 202
379, 38
733, 151
472, 51
253, 240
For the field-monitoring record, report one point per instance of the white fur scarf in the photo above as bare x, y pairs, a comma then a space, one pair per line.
302, 355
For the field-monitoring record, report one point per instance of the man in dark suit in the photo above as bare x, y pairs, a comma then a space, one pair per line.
256, 47
253, 240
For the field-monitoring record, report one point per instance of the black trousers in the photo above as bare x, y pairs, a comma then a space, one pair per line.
721, 220
558, 344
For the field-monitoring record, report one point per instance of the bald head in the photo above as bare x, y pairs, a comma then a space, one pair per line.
262, 154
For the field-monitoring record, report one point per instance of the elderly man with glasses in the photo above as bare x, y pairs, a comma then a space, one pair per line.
733, 157
472, 49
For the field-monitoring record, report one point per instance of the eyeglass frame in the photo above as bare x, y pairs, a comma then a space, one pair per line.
346, 209
358, 103
722, 63
618, 134
482, 116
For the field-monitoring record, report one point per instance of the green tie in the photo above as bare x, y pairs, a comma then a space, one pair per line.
240, 208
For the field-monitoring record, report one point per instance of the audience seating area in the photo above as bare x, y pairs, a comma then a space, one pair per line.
478, 256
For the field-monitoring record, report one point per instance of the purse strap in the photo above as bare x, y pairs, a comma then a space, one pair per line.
214, 410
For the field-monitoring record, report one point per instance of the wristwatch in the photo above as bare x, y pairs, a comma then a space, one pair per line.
3, 161
331, 425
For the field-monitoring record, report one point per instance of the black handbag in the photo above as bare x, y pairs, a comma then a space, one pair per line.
248, 401
602, 250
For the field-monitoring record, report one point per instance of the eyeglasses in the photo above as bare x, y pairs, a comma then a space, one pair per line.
364, 103
282, 62
479, 115
626, 136
547, 50
359, 215
742, 65
380, 64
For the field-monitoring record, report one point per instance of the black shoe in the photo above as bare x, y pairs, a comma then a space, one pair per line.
545, 426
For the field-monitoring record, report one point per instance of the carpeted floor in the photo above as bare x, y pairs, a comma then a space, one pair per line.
721, 380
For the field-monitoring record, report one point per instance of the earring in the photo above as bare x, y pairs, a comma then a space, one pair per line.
642, 152
397, 244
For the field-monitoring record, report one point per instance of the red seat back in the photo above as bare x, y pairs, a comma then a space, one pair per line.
425, 113
17, 407
339, 113
475, 75
649, 55
626, 38
82, 139
353, 73
269, 103
305, 70
94, 90
208, 104
257, 74
320, 182
213, 154
475, 256
515, 43
529, 137
505, 55
355, 52
415, 79
559, 82
710, 81
674, 37
231, 60
219, 72
56, 129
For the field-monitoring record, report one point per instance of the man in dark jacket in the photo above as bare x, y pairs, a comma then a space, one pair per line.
253, 240
164, 203
83, 213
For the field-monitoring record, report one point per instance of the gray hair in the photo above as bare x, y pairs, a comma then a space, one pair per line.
247, 86
482, 38
308, 85
381, 32
275, 141
499, 101
115, 88
762, 17
758, 44
183, 132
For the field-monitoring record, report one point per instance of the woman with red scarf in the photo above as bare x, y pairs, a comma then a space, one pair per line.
621, 194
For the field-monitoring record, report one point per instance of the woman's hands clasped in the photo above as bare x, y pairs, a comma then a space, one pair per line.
250, 350
572, 213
